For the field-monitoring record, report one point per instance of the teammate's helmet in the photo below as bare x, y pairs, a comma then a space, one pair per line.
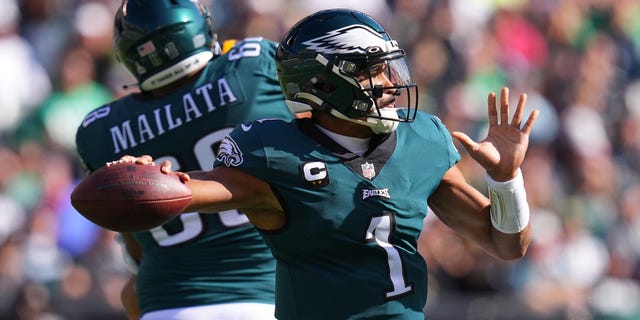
161, 41
322, 58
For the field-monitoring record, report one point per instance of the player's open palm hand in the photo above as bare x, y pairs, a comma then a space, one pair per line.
504, 148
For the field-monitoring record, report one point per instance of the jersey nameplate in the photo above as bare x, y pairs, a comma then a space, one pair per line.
195, 104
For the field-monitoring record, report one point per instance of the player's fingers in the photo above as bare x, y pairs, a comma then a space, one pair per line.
492, 111
504, 105
144, 159
127, 158
165, 166
517, 116
123, 159
529, 124
183, 176
466, 141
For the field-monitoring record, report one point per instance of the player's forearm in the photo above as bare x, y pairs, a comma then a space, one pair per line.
467, 211
509, 216
208, 196
510, 246
228, 188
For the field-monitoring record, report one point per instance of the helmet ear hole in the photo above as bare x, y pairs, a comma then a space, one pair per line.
328, 88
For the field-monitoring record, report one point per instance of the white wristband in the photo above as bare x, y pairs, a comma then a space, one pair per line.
509, 207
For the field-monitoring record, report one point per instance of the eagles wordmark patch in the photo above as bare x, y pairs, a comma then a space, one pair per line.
384, 193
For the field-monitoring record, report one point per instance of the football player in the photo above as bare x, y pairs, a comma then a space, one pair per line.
190, 96
340, 197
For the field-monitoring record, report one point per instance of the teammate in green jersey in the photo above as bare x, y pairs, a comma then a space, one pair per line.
196, 266
340, 198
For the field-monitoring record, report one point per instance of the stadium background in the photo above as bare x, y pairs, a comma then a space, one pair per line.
579, 61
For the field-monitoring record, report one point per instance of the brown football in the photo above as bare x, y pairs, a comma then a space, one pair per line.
128, 197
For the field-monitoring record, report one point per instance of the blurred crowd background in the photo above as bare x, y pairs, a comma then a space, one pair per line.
578, 61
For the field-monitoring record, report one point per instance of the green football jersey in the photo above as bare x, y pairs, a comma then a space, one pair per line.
196, 259
349, 246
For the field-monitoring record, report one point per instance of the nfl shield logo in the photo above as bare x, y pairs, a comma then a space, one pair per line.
368, 170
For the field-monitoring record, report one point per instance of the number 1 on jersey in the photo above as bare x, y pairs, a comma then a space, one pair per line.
380, 229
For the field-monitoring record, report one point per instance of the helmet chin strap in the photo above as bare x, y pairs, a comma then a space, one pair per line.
384, 126
377, 125
298, 107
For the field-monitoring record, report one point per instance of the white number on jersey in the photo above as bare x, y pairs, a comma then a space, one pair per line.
191, 222
380, 229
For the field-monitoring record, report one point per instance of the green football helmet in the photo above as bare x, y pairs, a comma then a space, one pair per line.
161, 41
325, 58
